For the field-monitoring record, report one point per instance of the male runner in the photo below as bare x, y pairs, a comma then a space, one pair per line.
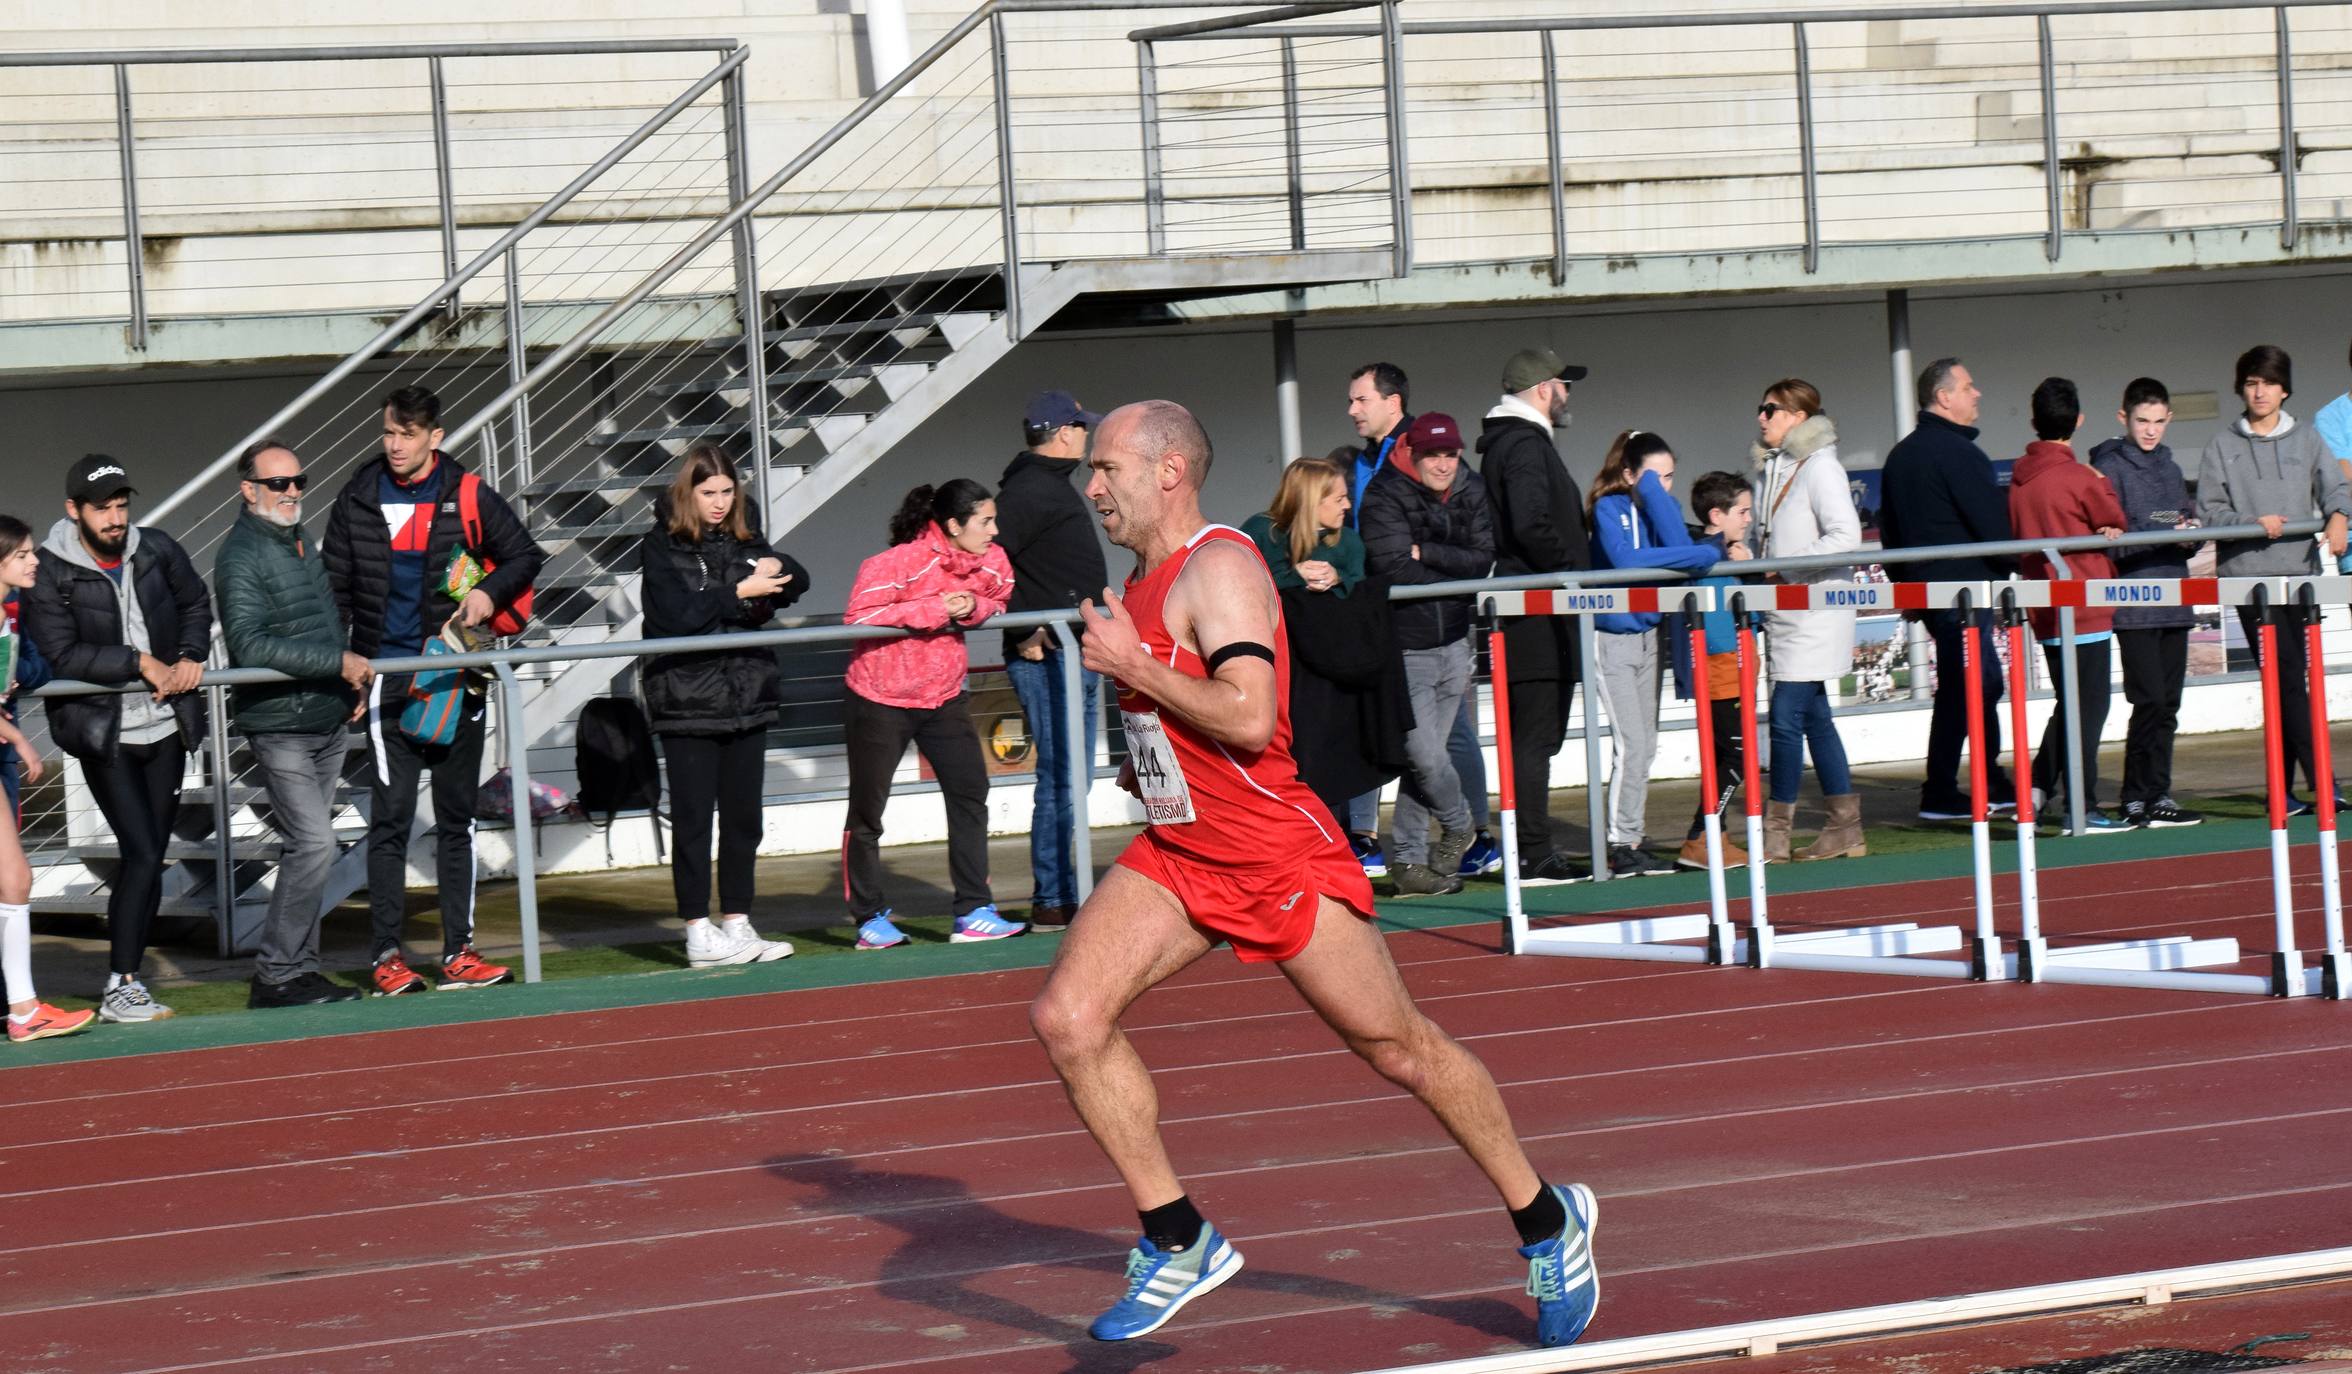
1240, 851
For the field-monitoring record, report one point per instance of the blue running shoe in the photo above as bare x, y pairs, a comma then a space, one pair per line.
876, 932
1484, 857
1369, 854
982, 923
1560, 1272
1160, 1281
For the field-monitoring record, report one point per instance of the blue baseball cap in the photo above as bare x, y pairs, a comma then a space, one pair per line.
1053, 409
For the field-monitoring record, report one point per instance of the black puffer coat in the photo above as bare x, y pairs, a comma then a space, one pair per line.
1456, 535
75, 615
689, 589
358, 551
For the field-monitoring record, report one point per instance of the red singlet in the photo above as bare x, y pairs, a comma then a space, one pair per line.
1236, 837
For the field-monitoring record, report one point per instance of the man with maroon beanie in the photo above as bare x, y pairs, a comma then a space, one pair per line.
2052, 495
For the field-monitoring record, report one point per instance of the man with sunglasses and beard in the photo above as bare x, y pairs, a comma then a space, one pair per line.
278, 611
119, 603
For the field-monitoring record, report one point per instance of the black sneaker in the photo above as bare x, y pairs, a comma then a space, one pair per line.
1549, 870
2135, 815
1420, 880
302, 990
1952, 808
1631, 861
2296, 806
2165, 813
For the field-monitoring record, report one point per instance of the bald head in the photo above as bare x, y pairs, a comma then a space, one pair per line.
1157, 429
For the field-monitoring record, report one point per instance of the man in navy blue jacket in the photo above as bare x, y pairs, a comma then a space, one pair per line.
1938, 487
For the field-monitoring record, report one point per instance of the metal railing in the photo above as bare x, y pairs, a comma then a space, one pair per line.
503, 663
329, 178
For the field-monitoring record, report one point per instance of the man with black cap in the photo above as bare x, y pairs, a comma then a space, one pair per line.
1539, 528
121, 603
1047, 529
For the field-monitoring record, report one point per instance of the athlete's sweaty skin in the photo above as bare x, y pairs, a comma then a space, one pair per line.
1132, 933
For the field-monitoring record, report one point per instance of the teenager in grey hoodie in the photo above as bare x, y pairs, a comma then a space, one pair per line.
2153, 641
2267, 470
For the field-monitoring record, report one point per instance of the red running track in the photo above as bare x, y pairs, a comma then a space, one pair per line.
888, 1178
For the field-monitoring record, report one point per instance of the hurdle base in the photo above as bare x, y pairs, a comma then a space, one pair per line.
1985, 959
1646, 938
2168, 952
2335, 977
1893, 948
2033, 959
2286, 973
1757, 950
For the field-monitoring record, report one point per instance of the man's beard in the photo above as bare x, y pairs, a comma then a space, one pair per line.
278, 514
106, 548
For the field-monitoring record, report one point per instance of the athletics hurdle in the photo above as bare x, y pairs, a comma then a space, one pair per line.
2180, 962
1652, 938
2335, 968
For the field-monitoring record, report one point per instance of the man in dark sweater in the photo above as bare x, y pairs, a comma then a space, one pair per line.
2154, 640
1046, 528
1539, 528
391, 535
1938, 487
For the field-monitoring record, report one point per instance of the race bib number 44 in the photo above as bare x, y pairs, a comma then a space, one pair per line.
1158, 776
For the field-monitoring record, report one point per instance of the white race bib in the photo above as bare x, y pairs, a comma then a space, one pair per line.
1158, 776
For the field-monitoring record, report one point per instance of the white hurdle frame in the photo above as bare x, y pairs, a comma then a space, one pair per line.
2179, 963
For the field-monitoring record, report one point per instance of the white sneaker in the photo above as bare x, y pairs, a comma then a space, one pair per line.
709, 944
126, 1001
769, 950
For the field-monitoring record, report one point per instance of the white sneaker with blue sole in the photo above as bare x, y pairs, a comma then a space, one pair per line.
1160, 1281
1561, 1275
982, 923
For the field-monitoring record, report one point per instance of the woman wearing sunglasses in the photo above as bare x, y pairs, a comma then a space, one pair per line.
1804, 506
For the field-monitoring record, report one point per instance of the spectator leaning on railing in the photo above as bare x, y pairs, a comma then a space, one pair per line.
1726, 507
942, 574
1426, 519
1539, 528
120, 603
1048, 532
2052, 495
31, 670
392, 535
277, 611
708, 572
29, 1018
2265, 469
2153, 641
1937, 487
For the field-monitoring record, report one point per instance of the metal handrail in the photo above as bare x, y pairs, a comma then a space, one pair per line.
1240, 26
415, 314
160, 57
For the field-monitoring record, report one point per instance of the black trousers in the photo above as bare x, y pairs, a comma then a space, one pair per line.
399, 764
138, 792
1539, 726
877, 737
1730, 761
2294, 669
1947, 726
728, 772
2093, 665
2155, 669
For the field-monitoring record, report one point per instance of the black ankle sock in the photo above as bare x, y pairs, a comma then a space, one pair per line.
1174, 1226
1541, 1219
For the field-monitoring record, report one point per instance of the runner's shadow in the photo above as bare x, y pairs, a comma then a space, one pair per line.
954, 1239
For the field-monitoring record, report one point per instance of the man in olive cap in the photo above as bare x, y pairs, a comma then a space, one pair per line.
1539, 528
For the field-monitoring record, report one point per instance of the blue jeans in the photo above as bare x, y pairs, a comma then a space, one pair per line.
1469, 763
1800, 717
1053, 826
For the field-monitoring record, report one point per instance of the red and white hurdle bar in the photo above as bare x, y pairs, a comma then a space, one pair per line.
2169, 962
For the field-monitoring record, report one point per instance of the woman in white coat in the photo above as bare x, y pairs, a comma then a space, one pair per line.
1804, 506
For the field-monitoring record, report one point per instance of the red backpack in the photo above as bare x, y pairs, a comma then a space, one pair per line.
511, 619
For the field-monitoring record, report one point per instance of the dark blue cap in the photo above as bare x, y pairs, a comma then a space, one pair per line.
1053, 409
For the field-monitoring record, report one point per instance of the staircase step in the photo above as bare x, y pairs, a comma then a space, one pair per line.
242, 847
873, 298
95, 904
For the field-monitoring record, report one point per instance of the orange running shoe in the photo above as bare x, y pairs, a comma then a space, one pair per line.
466, 969
47, 1021
393, 977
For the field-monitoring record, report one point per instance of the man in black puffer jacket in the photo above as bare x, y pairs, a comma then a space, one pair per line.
1425, 519
119, 603
1539, 528
278, 611
390, 537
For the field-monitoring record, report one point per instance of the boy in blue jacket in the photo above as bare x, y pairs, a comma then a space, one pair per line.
1726, 506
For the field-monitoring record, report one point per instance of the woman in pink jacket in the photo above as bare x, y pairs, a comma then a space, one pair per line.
941, 576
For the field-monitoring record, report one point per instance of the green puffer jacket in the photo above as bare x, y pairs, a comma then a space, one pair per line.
278, 611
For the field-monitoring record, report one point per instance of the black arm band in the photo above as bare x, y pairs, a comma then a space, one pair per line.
1241, 649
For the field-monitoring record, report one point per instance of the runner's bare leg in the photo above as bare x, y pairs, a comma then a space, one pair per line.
1346, 975
1130, 935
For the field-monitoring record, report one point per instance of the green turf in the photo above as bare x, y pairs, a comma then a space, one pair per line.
652, 974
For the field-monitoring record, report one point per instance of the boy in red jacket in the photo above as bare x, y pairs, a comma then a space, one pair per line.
2052, 495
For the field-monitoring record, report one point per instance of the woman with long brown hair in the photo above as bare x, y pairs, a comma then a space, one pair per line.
1305, 535
708, 571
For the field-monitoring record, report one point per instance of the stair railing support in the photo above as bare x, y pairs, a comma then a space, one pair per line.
1293, 161
441, 181
750, 305
1807, 157
526, 849
2288, 216
518, 365
224, 885
1007, 191
134, 243
1400, 172
1555, 172
1077, 756
1155, 189
2053, 176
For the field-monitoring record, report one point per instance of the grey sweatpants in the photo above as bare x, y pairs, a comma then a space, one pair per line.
1629, 692
1435, 680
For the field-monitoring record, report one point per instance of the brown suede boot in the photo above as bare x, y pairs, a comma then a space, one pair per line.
1694, 854
1778, 817
1842, 837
